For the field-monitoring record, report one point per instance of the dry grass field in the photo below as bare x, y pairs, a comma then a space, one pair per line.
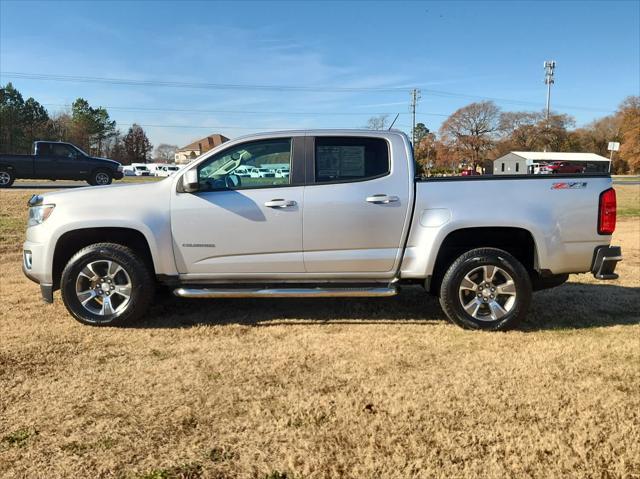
322, 388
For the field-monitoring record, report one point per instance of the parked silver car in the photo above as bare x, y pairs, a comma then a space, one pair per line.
350, 220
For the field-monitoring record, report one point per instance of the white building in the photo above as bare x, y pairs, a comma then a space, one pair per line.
523, 162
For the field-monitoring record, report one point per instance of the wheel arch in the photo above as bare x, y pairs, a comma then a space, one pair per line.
519, 242
73, 241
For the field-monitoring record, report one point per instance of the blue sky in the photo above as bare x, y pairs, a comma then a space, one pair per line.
455, 52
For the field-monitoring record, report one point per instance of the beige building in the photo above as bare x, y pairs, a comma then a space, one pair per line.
188, 153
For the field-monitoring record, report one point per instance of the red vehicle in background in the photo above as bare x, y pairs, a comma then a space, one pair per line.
469, 173
557, 167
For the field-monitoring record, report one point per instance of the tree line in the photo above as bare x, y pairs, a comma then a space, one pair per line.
90, 128
469, 137
481, 132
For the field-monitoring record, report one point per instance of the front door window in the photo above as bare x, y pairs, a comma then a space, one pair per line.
257, 164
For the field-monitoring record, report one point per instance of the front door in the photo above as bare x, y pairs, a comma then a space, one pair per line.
242, 226
68, 163
356, 210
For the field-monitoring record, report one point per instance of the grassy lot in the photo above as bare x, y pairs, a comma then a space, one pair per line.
628, 197
626, 178
322, 388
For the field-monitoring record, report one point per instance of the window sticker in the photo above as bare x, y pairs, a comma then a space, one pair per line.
340, 161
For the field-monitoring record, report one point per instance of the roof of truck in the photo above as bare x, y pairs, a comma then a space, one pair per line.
322, 131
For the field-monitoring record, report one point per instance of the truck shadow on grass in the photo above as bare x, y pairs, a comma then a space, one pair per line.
570, 306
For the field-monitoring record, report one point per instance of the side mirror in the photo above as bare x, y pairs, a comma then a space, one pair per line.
233, 181
190, 181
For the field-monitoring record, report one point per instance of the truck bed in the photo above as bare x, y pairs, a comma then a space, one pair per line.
559, 211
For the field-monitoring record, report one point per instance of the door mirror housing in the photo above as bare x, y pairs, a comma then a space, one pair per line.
233, 181
190, 182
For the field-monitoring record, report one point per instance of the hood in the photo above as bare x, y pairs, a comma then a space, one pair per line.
115, 194
114, 162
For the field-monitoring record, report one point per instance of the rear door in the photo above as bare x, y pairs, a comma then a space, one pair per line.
357, 204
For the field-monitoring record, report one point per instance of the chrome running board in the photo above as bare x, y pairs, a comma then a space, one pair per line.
287, 292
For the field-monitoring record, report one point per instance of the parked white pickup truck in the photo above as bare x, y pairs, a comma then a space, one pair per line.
351, 219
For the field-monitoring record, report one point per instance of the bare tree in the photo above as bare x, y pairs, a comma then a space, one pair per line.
136, 145
378, 122
629, 111
471, 131
165, 153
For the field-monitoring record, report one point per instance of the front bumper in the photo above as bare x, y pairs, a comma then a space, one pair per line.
34, 268
605, 259
46, 290
118, 175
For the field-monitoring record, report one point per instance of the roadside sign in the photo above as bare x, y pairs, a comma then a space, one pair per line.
613, 146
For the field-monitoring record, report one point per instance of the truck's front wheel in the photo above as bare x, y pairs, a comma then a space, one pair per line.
106, 284
486, 288
99, 178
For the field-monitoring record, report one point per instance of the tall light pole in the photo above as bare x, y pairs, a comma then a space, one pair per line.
549, 66
415, 96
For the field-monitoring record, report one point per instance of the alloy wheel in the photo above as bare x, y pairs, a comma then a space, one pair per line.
103, 288
487, 293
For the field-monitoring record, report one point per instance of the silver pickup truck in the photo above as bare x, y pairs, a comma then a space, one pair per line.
345, 217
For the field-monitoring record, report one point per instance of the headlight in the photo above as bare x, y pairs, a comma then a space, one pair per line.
38, 214
120, 169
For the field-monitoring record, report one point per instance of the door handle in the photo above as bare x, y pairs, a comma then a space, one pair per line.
382, 199
280, 203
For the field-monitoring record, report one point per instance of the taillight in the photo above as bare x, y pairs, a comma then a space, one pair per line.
607, 212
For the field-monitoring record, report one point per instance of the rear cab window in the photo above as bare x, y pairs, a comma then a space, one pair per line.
43, 149
348, 159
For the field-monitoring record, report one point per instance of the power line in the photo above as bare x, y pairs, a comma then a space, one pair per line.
240, 112
182, 84
302, 88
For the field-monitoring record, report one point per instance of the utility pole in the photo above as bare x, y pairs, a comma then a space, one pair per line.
415, 96
549, 66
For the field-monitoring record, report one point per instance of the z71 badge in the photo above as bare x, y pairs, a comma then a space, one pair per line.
570, 185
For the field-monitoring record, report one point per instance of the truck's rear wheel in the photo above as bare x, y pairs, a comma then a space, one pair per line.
6, 177
106, 284
100, 177
486, 288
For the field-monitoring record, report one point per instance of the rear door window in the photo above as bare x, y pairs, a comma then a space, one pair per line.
344, 159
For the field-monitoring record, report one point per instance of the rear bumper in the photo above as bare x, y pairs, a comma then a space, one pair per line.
605, 259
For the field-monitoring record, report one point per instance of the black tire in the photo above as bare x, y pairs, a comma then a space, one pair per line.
100, 178
141, 281
7, 177
470, 263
